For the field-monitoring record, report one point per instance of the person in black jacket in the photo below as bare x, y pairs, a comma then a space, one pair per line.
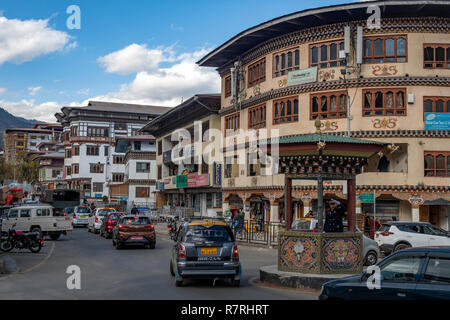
134, 210
334, 216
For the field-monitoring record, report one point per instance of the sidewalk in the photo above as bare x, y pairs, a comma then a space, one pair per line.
18, 261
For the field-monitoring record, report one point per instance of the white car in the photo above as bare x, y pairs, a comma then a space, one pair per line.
399, 235
81, 216
37, 219
96, 218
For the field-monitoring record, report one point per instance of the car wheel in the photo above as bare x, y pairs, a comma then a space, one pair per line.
402, 246
371, 258
95, 230
55, 236
171, 269
118, 246
235, 283
152, 245
178, 283
107, 236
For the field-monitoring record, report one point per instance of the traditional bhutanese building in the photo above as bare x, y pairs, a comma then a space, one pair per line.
392, 78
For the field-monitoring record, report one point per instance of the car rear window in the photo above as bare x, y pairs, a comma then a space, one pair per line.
103, 212
82, 210
135, 220
207, 234
385, 228
114, 216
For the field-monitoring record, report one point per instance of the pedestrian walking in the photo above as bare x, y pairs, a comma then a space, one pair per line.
134, 210
367, 223
374, 226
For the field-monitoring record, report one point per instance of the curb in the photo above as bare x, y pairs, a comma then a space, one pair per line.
270, 274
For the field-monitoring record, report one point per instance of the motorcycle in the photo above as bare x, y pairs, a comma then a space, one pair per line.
172, 227
21, 240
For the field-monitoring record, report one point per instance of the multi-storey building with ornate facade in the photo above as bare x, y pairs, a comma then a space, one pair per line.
192, 186
139, 178
392, 79
89, 137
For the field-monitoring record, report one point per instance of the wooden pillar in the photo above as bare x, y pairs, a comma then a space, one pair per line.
351, 203
320, 204
288, 203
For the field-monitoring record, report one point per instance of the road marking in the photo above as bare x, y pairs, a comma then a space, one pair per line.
32, 268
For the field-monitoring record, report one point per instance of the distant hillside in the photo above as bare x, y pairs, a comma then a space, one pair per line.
7, 120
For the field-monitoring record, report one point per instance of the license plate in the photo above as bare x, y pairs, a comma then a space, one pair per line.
137, 238
68, 230
83, 217
208, 251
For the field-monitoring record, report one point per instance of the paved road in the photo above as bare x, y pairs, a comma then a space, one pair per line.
133, 273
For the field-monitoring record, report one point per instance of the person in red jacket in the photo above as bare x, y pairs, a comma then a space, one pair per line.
374, 226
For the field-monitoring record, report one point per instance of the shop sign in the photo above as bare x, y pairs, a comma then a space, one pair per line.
167, 181
192, 180
437, 121
123, 198
182, 181
302, 76
98, 195
367, 197
217, 174
202, 180
160, 186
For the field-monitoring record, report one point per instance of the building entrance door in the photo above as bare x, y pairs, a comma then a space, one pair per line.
435, 216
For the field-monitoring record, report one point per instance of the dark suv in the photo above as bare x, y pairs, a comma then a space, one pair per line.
205, 249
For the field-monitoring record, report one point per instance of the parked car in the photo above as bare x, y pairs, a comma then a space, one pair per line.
81, 216
411, 274
399, 235
109, 222
39, 219
96, 217
4, 213
371, 251
134, 230
205, 249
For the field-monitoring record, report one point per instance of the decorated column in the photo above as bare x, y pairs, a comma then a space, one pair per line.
274, 212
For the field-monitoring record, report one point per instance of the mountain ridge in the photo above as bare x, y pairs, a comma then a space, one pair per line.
8, 120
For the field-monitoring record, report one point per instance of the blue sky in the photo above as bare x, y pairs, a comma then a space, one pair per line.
133, 51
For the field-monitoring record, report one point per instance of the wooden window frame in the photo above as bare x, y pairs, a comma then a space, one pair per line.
118, 159
384, 57
227, 86
284, 71
253, 121
283, 119
434, 99
118, 177
319, 64
76, 150
446, 62
75, 169
96, 168
397, 112
97, 184
232, 122
254, 73
340, 114
434, 170
147, 167
92, 150
103, 132
138, 194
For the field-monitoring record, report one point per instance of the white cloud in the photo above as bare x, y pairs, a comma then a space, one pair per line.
83, 92
167, 85
135, 58
28, 109
2, 91
22, 41
34, 90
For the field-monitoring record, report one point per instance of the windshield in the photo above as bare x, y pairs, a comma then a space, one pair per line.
103, 212
114, 216
208, 234
301, 225
82, 210
135, 221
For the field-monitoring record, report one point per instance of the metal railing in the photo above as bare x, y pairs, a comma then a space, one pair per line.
259, 232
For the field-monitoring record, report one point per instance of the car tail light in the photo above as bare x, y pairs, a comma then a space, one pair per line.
386, 234
150, 226
235, 252
182, 252
169, 227
96, 219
